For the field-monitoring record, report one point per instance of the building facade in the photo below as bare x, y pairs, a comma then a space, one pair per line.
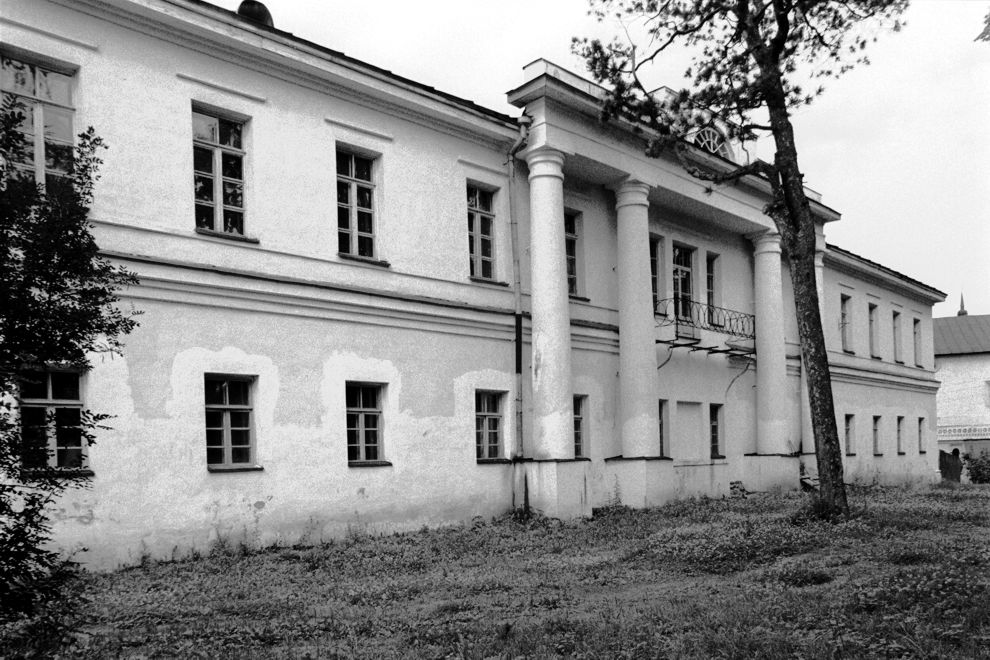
962, 365
326, 346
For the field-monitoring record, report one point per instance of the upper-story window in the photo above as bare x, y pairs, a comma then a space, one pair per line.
916, 329
218, 173
481, 232
571, 238
711, 288
898, 340
711, 139
50, 412
46, 102
355, 205
656, 250
845, 322
874, 330
683, 259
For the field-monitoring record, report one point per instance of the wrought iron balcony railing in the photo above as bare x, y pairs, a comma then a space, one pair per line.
684, 312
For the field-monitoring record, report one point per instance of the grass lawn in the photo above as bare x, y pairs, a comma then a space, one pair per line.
908, 575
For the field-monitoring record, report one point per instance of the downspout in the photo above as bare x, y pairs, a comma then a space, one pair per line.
524, 123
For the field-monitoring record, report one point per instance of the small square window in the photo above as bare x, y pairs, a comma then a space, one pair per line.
364, 422
488, 424
50, 418
229, 421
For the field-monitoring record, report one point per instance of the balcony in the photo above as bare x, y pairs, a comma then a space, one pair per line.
688, 317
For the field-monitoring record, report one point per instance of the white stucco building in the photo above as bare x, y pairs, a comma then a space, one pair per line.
962, 365
326, 345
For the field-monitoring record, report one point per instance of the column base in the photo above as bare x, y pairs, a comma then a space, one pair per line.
763, 472
555, 488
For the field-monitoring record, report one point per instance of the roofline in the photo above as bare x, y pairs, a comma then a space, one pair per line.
837, 254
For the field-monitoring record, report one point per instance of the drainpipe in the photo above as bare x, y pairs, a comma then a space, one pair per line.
524, 123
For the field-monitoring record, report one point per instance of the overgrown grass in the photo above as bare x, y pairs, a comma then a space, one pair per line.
907, 575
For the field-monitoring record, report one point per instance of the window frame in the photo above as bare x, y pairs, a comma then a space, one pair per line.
712, 287
895, 320
849, 434
482, 425
845, 322
922, 449
715, 430
51, 405
679, 273
580, 430
877, 432
656, 270
916, 331
477, 214
900, 435
573, 252
365, 413
219, 179
34, 105
873, 314
226, 428
353, 184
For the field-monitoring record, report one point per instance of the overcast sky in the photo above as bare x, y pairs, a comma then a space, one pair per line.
901, 148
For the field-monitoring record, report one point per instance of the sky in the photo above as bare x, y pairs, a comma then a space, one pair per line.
901, 148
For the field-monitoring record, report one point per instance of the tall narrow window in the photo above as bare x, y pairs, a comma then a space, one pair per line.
571, 250
364, 422
488, 424
228, 422
850, 435
50, 408
481, 232
683, 285
845, 323
655, 247
900, 435
921, 435
877, 449
898, 340
715, 429
45, 97
664, 443
711, 291
579, 434
355, 205
874, 331
218, 173
917, 342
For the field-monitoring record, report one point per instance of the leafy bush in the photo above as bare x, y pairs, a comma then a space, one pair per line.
979, 468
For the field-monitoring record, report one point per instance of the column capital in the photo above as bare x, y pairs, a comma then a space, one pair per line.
631, 193
767, 241
545, 161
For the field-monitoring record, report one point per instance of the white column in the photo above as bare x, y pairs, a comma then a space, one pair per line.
553, 405
640, 430
771, 356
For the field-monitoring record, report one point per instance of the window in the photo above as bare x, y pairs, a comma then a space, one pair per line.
711, 140
46, 100
917, 342
50, 410
715, 428
900, 436
579, 447
896, 328
571, 250
845, 323
355, 205
656, 248
874, 331
921, 435
662, 415
850, 435
488, 424
364, 422
683, 286
877, 450
481, 232
711, 294
229, 441
218, 173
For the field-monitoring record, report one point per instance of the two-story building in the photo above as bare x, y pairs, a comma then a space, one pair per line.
326, 346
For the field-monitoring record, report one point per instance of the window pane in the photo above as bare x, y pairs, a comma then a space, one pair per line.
343, 217
569, 224
233, 222
215, 392
362, 168
214, 455
231, 166
470, 223
240, 438
202, 160
203, 185
366, 247
353, 397
486, 247
486, 270
214, 438
34, 441
240, 454
58, 123
34, 385
204, 216
65, 385
353, 452
230, 133
344, 242
54, 87
58, 156
18, 77
240, 419
364, 197
472, 196
69, 457
233, 194
237, 392
371, 421
343, 192
369, 397
214, 419
66, 418
485, 200
343, 164
486, 226
204, 127
364, 222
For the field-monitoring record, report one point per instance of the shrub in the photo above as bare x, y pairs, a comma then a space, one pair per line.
979, 468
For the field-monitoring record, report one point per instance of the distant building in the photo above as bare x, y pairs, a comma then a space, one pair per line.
962, 364
370, 305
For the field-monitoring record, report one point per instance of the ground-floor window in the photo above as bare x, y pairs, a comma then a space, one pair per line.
488, 424
364, 422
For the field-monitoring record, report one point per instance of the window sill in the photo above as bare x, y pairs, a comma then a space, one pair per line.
920, 366
876, 454
902, 453
922, 451
226, 235
365, 260
482, 280
494, 461
577, 298
848, 351
876, 357
234, 468
899, 361
58, 473
366, 464
718, 458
